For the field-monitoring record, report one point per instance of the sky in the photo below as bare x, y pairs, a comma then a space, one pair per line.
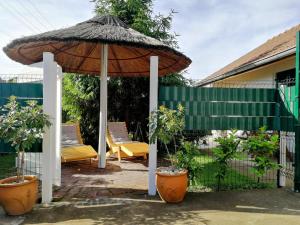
212, 33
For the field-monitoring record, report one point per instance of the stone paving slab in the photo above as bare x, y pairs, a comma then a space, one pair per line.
85, 180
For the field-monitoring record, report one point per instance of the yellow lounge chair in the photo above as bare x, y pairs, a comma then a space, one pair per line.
119, 142
73, 148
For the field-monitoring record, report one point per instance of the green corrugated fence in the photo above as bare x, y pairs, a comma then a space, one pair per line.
224, 108
23, 92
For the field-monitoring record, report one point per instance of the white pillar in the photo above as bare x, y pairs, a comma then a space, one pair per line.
103, 107
58, 112
153, 106
282, 157
49, 86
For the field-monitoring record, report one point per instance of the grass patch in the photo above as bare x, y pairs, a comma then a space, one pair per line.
233, 180
7, 165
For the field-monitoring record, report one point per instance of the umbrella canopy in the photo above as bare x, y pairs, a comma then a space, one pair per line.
77, 49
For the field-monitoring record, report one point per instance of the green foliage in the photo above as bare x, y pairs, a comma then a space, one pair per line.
224, 153
187, 158
22, 127
165, 124
81, 103
262, 147
128, 98
234, 179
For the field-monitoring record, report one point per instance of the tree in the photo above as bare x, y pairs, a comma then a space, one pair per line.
128, 98
22, 127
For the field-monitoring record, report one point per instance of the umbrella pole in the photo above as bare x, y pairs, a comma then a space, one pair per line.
152, 107
103, 108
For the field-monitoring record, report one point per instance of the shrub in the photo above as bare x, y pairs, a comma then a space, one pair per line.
22, 127
187, 157
167, 125
224, 153
262, 147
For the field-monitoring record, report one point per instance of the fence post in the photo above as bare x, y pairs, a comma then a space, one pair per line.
297, 127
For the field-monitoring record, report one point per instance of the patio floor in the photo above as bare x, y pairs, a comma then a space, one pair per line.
84, 179
255, 207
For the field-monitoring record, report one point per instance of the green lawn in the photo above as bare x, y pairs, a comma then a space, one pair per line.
7, 165
233, 179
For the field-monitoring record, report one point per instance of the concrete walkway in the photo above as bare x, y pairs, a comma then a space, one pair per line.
259, 207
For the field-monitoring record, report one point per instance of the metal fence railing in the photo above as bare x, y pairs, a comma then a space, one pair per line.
21, 78
240, 174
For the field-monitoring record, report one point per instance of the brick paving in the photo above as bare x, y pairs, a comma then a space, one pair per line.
84, 180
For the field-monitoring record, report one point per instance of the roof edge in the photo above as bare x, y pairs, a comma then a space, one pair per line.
249, 66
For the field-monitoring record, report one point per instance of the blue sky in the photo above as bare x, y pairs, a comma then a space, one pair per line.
212, 32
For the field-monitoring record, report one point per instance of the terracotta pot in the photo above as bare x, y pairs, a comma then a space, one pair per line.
171, 188
18, 198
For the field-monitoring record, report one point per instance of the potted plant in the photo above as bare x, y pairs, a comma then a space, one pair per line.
166, 124
21, 127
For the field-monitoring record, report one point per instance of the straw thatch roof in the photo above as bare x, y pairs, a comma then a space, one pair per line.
77, 49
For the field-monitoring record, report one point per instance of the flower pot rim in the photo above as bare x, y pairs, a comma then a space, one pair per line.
182, 173
4, 182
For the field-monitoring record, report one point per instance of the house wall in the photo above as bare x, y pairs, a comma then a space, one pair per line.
260, 77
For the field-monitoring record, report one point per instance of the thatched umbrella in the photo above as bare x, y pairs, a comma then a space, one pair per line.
77, 49
121, 50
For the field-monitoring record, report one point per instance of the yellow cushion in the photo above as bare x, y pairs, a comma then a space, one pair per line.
75, 153
135, 148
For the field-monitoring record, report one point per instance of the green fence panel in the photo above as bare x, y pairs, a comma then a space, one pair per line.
175, 93
23, 92
224, 108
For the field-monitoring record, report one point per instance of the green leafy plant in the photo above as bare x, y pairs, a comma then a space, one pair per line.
187, 157
226, 151
22, 127
165, 124
262, 147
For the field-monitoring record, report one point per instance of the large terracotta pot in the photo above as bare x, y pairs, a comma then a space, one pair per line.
171, 188
18, 198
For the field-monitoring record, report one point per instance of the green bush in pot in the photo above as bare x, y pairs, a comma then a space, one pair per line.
21, 127
166, 125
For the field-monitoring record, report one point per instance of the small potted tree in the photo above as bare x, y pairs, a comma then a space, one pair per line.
166, 124
21, 127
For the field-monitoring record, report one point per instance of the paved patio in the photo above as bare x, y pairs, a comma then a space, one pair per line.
81, 180
257, 207
118, 195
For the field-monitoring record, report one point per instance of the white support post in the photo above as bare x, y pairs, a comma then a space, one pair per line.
282, 158
49, 86
103, 108
153, 106
58, 112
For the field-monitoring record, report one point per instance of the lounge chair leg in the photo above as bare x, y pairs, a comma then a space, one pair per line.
145, 156
119, 155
